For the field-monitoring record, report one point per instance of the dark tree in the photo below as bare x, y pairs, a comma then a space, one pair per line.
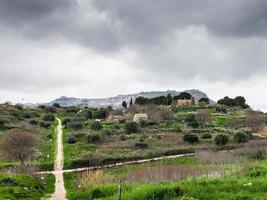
204, 100
19, 145
191, 138
192, 121
101, 113
141, 100
56, 105
124, 104
169, 99
131, 102
96, 125
49, 118
221, 139
131, 127
183, 95
88, 114
162, 100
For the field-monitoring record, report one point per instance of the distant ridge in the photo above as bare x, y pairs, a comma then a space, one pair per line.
117, 100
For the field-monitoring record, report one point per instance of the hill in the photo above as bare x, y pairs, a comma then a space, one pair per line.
116, 101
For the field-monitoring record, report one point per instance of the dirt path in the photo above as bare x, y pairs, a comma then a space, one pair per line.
60, 192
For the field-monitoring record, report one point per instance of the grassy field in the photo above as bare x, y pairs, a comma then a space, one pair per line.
16, 186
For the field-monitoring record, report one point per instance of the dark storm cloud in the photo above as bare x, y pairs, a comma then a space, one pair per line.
113, 24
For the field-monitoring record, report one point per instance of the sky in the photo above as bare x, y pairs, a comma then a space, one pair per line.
100, 48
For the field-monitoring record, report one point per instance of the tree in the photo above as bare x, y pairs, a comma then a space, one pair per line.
191, 138
131, 102
238, 101
221, 139
56, 105
169, 99
124, 104
255, 121
19, 145
141, 100
161, 100
101, 113
204, 100
88, 114
241, 137
96, 125
192, 121
131, 127
183, 95
49, 118
203, 117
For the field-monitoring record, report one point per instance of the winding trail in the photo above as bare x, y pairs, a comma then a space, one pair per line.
60, 192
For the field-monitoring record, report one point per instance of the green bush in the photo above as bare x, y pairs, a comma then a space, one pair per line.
33, 122
94, 138
75, 125
71, 139
221, 139
241, 137
192, 121
65, 121
123, 138
96, 125
56, 105
49, 117
107, 132
50, 109
131, 127
206, 136
191, 138
141, 145
44, 124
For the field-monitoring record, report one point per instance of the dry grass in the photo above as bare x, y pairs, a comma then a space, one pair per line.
92, 178
169, 173
209, 157
254, 149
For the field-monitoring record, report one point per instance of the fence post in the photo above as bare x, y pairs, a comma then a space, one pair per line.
119, 191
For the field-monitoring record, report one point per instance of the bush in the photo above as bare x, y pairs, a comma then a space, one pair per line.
192, 121
75, 125
131, 127
49, 118
33, 122
18, 106
141, 145
42, 106
107, 132
72, 109
206, 136
71, 139
94, 138
221, 139
191, 138
44, 124
96, 125
65, 121
101, 113
50, 109
123, 138
56, 105
241, 137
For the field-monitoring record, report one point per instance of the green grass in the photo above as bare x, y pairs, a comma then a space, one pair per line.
228, 188
24, 187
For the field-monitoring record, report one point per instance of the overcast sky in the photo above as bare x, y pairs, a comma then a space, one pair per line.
101, 48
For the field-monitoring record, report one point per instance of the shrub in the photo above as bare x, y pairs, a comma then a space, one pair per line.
96, 125
221, 139
65, 121
49, 118
33, 122
42, 106
75, 125
72, 109
71, 139
88, 114
2, 123
56, 105
50, 109
101, 113
241, 137
123, 137
191, 138
18, 106
44, 124
131, 127
107, 132
94, 138
192, 121
206, 136
141, 145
